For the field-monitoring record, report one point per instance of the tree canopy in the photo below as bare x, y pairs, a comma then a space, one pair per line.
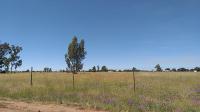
9, 57
104, 69
158, 68
75, 55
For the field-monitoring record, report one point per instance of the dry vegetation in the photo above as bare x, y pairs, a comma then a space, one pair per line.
155, 92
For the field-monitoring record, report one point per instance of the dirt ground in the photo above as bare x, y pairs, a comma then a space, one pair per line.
16, 106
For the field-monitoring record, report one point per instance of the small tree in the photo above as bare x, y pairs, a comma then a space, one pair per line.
173, 70
197, 69
94, 69
134, 69
104, 69
158, 68
98, 68
46, 69
182, 70
167, 69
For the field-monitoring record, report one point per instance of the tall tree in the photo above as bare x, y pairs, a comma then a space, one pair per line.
4, 56
14, 57
9, 56
158, 68
75, 55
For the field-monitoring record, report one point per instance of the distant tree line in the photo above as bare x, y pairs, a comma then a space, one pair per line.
196, 69
159, 69
98, 69
105, 69
9, 57
46, 69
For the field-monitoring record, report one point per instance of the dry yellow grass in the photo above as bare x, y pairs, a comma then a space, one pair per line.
155, 92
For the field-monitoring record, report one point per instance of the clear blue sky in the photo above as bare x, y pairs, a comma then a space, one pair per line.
118, 33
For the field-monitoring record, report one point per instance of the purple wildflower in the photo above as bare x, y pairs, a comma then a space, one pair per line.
130, 102
109, 101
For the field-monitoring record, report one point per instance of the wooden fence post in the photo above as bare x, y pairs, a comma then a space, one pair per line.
134, 79
31, 81
73, 81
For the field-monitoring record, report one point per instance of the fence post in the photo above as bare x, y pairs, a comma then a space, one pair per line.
134, 79
73, 81
31, 81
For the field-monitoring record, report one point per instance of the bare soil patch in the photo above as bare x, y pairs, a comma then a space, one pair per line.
19, 106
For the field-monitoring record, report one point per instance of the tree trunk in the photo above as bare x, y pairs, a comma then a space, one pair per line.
11, 68
7, 69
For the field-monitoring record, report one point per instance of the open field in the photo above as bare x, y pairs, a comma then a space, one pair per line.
155, 92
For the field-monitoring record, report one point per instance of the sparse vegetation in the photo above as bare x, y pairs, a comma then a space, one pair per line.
156, 92
99, 55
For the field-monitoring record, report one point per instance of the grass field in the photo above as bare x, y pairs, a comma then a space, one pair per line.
155, 92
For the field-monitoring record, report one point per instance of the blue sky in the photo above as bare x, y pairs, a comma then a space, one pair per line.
118, 33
